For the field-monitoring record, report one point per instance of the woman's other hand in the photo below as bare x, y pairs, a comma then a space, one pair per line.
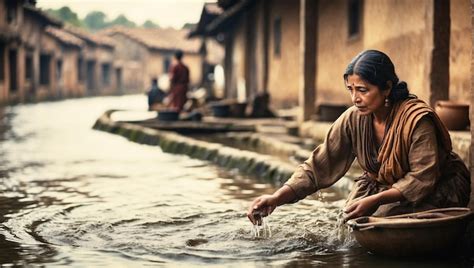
364, 207
368, 205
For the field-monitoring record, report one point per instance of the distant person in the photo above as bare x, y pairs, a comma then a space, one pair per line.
179, 81
155, 95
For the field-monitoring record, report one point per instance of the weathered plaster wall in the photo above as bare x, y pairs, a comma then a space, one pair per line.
132, 56
194, 63
238, 59
405, 42
283, 83
460, 50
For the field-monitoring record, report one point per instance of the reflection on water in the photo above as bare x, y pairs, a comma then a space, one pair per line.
74, 196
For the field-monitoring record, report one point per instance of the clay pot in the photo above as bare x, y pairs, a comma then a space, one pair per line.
454, 115
168, 115
220, 109
238, 109
330, 112
416, 234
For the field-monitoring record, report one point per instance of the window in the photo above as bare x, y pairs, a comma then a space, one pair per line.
354, 17
106, 74
80, 71
12, 7
91, 75
2, 62
118, 77
59, 70
28, 67
12, 59
45, 69
166, 65
277, 37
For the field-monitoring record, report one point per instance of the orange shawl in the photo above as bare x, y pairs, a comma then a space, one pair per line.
393, 153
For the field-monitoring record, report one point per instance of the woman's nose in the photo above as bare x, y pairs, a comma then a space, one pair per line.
355, 98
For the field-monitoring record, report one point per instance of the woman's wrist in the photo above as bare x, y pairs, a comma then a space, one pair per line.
284, 195
378, 199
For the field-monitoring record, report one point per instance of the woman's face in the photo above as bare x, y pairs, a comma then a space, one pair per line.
366, 97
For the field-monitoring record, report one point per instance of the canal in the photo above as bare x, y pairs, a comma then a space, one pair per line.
70, 195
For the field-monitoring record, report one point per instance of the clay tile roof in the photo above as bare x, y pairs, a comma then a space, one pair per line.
160, 38
212, 8
64, 37
98, 39
40, 14
210, 11
218, 23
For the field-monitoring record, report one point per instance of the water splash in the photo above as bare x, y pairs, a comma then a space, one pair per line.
262, 228
342, 233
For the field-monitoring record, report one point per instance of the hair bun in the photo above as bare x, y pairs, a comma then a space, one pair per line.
401, 85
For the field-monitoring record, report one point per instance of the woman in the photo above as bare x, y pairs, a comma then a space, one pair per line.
398, 140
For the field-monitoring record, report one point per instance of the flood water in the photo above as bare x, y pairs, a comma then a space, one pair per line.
70, 195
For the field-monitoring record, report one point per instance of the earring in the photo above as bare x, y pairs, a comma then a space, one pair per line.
387, 102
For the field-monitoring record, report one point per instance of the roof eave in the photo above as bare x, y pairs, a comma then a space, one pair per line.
225, 19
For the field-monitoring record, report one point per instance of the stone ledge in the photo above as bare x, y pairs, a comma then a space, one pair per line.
247, 162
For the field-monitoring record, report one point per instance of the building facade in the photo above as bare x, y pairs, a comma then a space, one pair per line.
298, 50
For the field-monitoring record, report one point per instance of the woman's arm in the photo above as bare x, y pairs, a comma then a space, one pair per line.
368, 205
326, 164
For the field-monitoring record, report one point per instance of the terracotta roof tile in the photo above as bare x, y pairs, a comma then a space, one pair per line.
213, 8
64, 37
95, 38
39, 13
159, 38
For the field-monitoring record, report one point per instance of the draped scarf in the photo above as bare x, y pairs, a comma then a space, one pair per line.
394, 150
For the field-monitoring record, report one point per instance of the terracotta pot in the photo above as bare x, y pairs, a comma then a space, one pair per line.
220, 110
454, 115
238, 109
168, 115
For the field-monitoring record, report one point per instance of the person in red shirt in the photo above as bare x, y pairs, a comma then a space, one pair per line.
179, 80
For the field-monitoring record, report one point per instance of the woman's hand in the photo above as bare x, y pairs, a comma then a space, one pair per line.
261, 207
364, 207
368, 205
264, 205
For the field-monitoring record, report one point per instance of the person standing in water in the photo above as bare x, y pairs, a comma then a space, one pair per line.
400, 143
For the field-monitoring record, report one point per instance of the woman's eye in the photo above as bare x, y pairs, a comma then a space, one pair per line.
362, 89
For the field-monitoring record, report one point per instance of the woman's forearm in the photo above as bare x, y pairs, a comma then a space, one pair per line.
284, 195
389, 196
